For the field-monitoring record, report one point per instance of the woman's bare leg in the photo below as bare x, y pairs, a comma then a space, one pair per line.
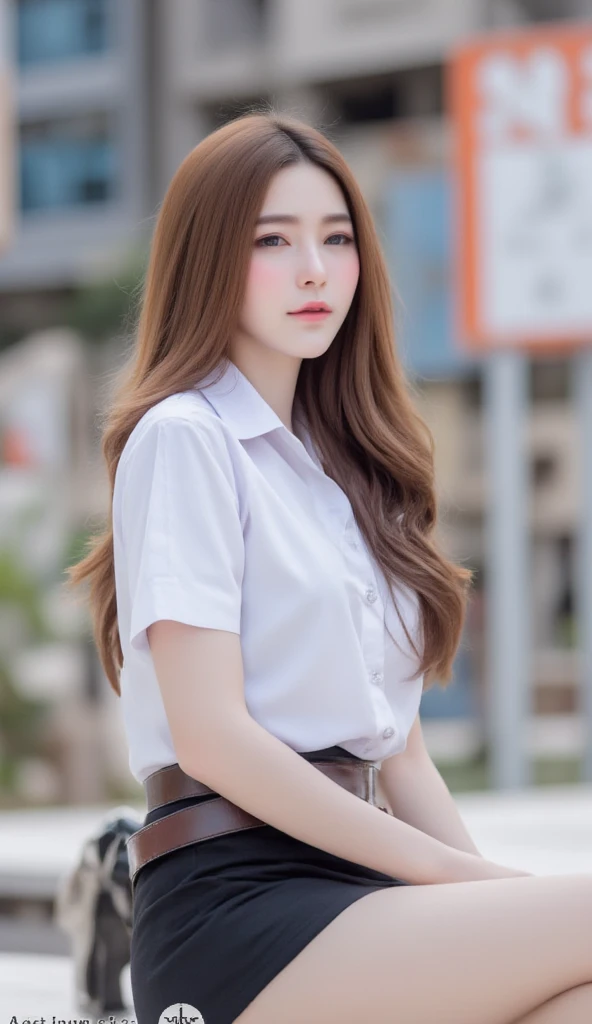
572, 1007
485, 952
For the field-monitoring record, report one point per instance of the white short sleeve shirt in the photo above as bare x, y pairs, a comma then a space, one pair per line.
224, 518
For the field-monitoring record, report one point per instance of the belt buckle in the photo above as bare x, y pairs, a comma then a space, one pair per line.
370, 770
370, 774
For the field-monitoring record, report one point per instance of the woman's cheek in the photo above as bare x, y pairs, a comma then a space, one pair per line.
349, 275
264, 275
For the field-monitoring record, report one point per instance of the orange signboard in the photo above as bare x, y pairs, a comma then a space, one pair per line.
521, 114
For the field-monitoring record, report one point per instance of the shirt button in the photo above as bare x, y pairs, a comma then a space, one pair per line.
377, 677
371, 595
388, 733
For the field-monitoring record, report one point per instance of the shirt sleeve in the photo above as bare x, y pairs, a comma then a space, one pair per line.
181, 529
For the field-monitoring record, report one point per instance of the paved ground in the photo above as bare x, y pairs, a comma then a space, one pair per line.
34, 986
547, 831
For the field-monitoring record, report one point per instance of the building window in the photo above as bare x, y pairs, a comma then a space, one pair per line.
67, 163
518, 12
375, 104
57, 30
550, 380
543, 470
416, 92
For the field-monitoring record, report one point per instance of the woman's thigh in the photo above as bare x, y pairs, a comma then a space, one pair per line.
483, 952
571, 1007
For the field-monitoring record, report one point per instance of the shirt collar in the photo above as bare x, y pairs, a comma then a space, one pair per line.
247, 414
239, 404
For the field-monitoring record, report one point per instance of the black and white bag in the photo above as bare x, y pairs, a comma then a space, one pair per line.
94, 906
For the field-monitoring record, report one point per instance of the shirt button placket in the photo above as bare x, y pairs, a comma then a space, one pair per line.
374, 639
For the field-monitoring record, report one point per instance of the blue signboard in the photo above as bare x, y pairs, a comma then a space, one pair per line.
418, 211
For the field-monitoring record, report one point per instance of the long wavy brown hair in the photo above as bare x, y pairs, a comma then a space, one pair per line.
355, 397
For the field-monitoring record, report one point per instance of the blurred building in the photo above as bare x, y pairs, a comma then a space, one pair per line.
111, 95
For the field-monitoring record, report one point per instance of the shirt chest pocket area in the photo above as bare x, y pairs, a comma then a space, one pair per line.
297, 567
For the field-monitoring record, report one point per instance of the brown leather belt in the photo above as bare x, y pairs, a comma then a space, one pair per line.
219, 816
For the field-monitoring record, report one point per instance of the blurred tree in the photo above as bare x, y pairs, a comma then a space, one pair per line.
21, 718
107, 306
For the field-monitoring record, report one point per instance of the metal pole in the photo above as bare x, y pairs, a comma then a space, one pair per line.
582, 387
507, 568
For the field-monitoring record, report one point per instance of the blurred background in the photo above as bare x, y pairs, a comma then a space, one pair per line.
100, 102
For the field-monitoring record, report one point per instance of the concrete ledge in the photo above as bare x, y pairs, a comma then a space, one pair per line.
546, 829
543, 830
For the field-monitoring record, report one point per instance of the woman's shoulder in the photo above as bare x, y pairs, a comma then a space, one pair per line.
176, 415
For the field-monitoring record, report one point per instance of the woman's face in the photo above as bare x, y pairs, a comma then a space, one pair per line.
304, 259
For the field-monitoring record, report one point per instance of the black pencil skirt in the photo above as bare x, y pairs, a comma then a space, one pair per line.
214, 922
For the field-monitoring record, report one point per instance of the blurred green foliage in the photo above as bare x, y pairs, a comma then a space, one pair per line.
467, 776
108, 306
21, 718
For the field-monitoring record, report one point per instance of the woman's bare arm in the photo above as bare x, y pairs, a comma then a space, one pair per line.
200, 675
418, 794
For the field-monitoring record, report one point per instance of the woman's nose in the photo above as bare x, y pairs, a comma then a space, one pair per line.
313, 266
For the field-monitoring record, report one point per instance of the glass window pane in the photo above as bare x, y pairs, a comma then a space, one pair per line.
56, 30
67, 164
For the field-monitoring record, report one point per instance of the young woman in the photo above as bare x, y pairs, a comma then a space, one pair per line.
272, 592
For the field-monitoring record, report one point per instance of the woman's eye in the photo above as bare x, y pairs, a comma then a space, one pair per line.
261, 242
268, 238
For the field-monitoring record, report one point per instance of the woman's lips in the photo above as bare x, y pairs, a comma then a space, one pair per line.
309, 314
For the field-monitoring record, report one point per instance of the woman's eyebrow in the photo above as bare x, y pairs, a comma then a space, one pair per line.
287, 218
